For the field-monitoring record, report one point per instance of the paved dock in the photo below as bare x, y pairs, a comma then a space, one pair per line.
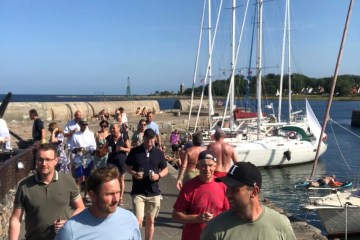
166, 229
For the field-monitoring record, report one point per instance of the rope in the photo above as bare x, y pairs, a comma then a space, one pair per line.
338, 145
348, 130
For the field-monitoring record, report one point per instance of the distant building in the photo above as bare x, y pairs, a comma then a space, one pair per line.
182, 88
355, 89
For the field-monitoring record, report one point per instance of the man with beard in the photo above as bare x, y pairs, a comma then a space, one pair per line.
247, 218
200, 199
103, 219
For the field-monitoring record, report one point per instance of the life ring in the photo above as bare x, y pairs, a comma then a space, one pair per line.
291, 135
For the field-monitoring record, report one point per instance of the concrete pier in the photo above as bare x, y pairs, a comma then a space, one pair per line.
166, 229
62, 111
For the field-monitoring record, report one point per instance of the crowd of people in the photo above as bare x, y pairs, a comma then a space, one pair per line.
218, 196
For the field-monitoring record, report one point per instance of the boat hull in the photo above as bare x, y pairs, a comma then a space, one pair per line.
334, 220
272, 152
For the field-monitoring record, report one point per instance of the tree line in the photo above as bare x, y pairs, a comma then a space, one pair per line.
271, 82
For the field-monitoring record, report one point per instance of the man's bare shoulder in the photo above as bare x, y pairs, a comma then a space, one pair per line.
195, 150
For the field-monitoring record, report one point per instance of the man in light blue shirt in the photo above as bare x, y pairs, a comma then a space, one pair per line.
154, 126
103, 219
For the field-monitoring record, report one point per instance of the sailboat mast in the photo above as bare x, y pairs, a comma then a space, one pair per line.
211, 104
289, 56
232, 80
196, 65
332, 90
259, 66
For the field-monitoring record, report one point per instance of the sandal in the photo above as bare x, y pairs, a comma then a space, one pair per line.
121, 202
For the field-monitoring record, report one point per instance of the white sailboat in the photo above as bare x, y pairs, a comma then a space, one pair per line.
262, 143
338, 208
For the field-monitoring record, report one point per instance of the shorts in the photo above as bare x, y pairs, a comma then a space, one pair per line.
174, 147
188, 175
117, 160
321, 182
150, 206
81, 171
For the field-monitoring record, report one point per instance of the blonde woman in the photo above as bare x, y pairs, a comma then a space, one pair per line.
57, 138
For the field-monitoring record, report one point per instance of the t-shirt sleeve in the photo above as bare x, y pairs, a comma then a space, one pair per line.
74, 190
129, 158
19, 197
162, 163
182, 202
39, 124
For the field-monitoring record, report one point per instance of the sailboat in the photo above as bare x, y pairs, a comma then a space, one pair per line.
338, 208
264, 143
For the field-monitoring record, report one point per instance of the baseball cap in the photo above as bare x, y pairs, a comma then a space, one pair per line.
242, 173
149, 133
83, 122
207, 154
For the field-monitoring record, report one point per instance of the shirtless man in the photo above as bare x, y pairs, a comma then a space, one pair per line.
224, 153
188, 165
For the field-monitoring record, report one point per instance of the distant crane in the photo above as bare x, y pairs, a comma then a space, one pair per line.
128, 89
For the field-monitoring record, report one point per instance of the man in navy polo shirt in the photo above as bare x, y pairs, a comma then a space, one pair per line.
147, 165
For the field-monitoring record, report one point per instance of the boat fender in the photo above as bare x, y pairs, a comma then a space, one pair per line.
292, 135
287, 154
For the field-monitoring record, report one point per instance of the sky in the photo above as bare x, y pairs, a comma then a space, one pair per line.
98, 46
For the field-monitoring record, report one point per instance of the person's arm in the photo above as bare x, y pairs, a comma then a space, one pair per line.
161, 174
158, 139
234, 156
136, 175
78, 205
191, 218
125, 148
43, 135
15, 223
181, 171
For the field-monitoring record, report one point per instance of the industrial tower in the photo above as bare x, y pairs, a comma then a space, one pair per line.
128, 89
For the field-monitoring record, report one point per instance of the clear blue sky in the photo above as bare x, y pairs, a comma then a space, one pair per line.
93, 46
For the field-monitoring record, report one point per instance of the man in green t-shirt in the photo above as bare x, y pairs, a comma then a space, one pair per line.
247, 218
45, 198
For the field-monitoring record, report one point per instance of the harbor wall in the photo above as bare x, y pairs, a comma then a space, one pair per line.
61, 111
184, 105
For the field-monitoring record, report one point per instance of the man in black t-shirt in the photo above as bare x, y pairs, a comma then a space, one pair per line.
147, 165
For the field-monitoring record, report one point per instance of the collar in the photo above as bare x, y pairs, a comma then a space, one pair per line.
39, 179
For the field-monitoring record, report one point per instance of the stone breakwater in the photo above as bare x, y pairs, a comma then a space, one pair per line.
62, 111
6, 206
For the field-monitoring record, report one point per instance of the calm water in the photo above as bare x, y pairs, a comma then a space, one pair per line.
278, 184
342, 158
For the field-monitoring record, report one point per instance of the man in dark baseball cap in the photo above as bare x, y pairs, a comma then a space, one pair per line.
242, 173
149, 133
247, 217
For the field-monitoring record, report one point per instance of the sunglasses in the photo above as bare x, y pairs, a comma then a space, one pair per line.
104, 126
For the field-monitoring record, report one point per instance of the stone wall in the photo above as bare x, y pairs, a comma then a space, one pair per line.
6, 207
63, 111
10, 175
